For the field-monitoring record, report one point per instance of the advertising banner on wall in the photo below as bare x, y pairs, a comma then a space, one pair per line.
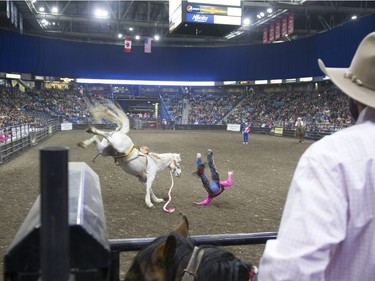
272, 32
291, 23
284, 26
32, 136
66, 126
277, 30
233, 127
199, 18
265, 35
205, 18
147, 46
217, 2
279, 131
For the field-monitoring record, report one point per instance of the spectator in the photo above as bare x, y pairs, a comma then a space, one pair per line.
172, 124
328, 226
163, 123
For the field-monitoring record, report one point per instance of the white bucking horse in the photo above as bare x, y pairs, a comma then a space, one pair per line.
119, 145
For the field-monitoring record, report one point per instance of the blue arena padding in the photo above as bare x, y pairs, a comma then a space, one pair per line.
90, 254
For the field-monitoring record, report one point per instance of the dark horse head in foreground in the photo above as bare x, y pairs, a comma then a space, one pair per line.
174, 257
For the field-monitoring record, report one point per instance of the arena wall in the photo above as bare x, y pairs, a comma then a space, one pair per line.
298, 58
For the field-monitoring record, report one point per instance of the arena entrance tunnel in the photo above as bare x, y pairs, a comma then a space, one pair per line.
64, 236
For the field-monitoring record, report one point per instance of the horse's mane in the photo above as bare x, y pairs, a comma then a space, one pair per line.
223, 264
165, 156
216, 265
167, 258
112, 112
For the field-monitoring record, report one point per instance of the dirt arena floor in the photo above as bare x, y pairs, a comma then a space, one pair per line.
263, 170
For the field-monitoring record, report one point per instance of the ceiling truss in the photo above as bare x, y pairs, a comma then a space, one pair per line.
75, 20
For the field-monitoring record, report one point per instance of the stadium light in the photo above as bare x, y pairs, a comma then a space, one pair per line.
306, 79
144, 82
260, 82
13, 76
99, 13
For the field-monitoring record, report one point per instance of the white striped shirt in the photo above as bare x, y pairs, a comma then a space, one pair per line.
327, 230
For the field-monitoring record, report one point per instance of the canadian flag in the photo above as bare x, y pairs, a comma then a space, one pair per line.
128, 44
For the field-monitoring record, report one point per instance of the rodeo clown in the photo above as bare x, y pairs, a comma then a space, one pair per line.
245, 132
214, 187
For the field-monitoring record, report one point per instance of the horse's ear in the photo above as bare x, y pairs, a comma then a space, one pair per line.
165, 252
170, 248
183, 226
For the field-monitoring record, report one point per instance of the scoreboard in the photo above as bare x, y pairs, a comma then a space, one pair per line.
204, 17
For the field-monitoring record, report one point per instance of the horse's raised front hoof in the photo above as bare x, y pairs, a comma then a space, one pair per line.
90, 129
81, 144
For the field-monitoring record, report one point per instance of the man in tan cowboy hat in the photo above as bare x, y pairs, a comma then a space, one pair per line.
299, 122
327, 230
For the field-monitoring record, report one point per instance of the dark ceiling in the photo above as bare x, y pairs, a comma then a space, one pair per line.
75, 20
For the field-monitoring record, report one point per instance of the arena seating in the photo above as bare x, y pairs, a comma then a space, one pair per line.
322, 111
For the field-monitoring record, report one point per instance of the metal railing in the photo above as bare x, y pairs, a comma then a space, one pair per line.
136, 244
22, 137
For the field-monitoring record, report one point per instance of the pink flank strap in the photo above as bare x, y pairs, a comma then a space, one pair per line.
171, 210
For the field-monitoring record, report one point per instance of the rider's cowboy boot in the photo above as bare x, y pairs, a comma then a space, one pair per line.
200, 169
206, 201
229, 181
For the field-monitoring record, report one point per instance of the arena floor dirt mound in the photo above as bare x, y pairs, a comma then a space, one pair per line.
263, 170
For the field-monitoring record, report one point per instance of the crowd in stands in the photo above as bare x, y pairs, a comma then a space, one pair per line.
174, 105
324, 110
202, 108
12, 108
35, 107
210, 109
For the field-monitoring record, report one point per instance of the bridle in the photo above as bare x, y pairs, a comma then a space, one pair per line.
173, 166
190, 272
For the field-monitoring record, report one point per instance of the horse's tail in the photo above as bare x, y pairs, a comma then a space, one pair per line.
122, 118
113, 113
